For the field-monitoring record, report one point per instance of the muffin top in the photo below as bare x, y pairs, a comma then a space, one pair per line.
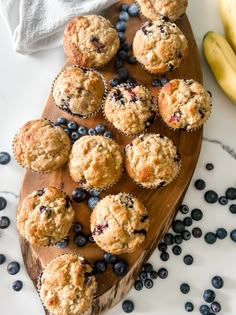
78, 91
67, 285
45, 216
184, 104
95, 162
172, 9
119, 223
152, 160
130, 108
160, 46
90, 40
41, 146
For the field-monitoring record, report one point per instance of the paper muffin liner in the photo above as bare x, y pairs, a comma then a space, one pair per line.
29, 168
131, 86
85, 70
153, 186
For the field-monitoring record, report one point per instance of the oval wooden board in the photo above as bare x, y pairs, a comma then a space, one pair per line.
162, 203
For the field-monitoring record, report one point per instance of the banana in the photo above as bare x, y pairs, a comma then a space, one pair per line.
228, 13
222, 61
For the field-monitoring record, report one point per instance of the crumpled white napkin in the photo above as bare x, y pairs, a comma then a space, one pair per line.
39, 24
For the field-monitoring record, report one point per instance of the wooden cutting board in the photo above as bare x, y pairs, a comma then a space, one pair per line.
161, 203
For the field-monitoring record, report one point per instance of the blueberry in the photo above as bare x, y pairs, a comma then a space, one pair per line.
128, 306
2, 259
196, 214
153, 274
177, 250
178, 239
169, 239
123, 55
110, 258
77, 227
79, 194
61, 121
209, 296
164, 256
118, 63
92, 132
80, 240
133, 10
100, 128
131, 80
232, 208
184, 209
114, 82
210, 238
216, 307
156, 83
132, 60
120, 268
178, 226
189, 307
90, 238
122, 37
162, 273
92, 202
188, 260
122, 74
94, 192
164, 81
162, 247
197, 232
217, 282
221, 233
108, 134
231, 193
4, 222
186, 235
125, 47
17, 285
184, 288
74, 135
233, 235
148, 283
63, 243
143, 275
82, 130
100, 266
123, 16
4, 158
123, 7
13, 268
72, 125
209, 166
148, 267
138, 285
204, 309
223, 200
188, 221
200, 184
211, 196
121, 26
67, 131
3, 203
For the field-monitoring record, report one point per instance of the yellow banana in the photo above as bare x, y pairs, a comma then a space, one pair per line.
228, 16
222, 61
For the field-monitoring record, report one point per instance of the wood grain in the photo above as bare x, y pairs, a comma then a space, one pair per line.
162, 203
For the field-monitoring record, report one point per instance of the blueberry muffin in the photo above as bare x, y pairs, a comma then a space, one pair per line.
152, 160
184, 104
45, 216
95, 162
160, 46
90, 41
41, 146
130, 108
67, 285
119, 223
171, 9
78, 91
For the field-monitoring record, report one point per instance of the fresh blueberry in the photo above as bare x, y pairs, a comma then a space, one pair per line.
209, 296
77, 227
92, 132
178, 226
162, 273
128, 306
123, 7
17, 285
63, 243
143, 275
148, 267
197, 232
122, 74
215, 307
94, 192
164, 256
90, 238
188, 221
82, 130
4, 222
122, 37
100, 128
217, 282
125, 47
189, 307
80, 239
138, 285
123, 55
153, 274
67, 131
3, 203
114, 82
186, 235
178, 239
133, 10
156, 83
148, 283
169, 239
110, 258
232, 208
233, 235
204, 309
120, 268
164, 81
184, 288
118, 63
221, 233
188, 260
200, 184
177, 250
184, 209
196, 214
223, 200
4, 158
108, 134
2, 259
209, 166
79, 194
92, 202
72, 125
211, 196
132, 60
231, 193
74, 135
121, 26
61, 121
210, 238
13, 268
100, 266
162, 247
131, 80
123, 16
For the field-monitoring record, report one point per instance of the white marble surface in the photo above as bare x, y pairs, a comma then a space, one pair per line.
24, 85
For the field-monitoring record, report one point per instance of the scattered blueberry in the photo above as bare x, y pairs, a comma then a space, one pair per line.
223, 200
148, 267
186, 235
123, 16
133, 10
184, 288
82, 130
189, 307
4, 158
231, 193
169, 239
216, 307
110, 258
178, 226
121, 26
94, 192
92, 202
184, 209
79, 194
77, 227
17, 285
162, 273
232, 208
188, 221
188, 260
209, 296
120, 268
114, 82
126, 47
148, 283
204, 309
177, 250
100, 128
63, 243
210, 238
123, 55
153, 274
13, 268
138, 285
209, 166
200, 184
221, 233
108, 134
123, 7
143, 275
233, 235
196, 214
100, 266
164, 81
4, 222
217, 282
132, 60
74, 135
128, 306
164, 256
156, 83
92, 132
80, 239
122, 37
197, 232
122, 74
72, 125
61, 121
90, 238
211, 196
3, 203
162, 247
178, 239
67, 131
2, 259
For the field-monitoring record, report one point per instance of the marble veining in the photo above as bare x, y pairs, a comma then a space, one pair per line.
225, 147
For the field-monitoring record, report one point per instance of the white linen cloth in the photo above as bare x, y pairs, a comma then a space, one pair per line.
39, 24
